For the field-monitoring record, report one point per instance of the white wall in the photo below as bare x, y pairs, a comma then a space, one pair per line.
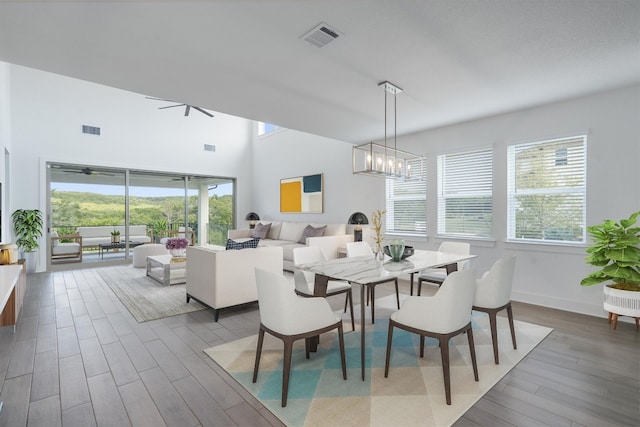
47, 114
545, 274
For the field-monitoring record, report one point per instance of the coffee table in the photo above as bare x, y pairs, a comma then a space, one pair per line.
102, 247
166, 271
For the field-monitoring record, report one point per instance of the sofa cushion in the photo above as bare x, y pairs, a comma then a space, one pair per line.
311, 231
232, 244
56, 242
260, 231
292, 230
336, 230
274, 231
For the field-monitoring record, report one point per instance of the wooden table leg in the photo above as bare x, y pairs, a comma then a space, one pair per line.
362, 328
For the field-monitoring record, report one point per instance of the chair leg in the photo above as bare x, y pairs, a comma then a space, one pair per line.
397, 294
342, 355
353, 322
286, 369
444, 353
419, 286
421, 345
258, 354
472, 350
513, 329
494, 335
388, 358
411, 288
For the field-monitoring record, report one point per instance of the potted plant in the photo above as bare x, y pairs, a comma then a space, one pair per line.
376, 220
616, 250
27, 225
177, 247
115, 236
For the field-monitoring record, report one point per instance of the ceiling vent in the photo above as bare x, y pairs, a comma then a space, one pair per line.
91, 130
209, 147
321, 35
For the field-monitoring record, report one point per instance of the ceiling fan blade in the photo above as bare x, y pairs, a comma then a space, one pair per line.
203, 111
171, 106
186, 110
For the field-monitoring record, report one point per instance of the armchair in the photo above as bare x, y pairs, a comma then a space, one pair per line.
437, 275
66, 251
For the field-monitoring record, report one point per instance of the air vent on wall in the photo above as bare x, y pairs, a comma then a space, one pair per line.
321, 35
91, 130
209, 147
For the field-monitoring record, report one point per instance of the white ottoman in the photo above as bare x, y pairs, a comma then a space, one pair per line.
140, 253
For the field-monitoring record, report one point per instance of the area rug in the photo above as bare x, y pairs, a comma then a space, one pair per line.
413, 394
145, 298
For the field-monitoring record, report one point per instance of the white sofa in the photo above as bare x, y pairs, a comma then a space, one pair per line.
101, 235
219, 278
286, 234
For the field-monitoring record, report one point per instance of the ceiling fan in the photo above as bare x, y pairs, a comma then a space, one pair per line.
187, 107
88, 171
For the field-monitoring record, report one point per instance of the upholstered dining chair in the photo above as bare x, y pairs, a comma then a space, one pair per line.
493, 294
305, 280
437, 275
441, 316
355, 249
290, 317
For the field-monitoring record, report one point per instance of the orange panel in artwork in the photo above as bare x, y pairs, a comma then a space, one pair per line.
291, 196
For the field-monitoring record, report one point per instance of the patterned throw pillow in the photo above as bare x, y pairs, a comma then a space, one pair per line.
260, 231
309, 231
232, 244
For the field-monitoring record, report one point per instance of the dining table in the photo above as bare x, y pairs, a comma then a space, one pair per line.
367, 271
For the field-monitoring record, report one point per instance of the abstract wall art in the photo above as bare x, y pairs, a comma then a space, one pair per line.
301, 194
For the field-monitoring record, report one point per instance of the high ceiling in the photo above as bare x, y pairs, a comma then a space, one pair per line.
456, 60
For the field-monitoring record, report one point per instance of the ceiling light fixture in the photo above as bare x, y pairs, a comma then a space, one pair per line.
381, 160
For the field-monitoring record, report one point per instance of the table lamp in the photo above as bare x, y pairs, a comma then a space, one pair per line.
252, 217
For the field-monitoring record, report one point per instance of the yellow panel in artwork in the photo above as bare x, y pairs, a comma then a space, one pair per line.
291, 196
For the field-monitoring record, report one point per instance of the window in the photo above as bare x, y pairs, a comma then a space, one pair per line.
265, 128
547, 190
465, 202
407, 204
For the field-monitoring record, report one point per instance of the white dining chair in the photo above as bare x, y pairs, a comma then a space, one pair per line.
437, 275
358, 249
493, 294
441, 316
290, 317
304, 281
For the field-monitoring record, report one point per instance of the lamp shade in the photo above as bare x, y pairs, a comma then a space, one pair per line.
358, 218
252, 216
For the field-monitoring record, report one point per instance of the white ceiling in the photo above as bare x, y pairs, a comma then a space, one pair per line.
456, 60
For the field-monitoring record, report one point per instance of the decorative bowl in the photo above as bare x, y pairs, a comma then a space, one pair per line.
408, 251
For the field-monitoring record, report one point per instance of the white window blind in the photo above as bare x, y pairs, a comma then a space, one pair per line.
547, 190
465, 200
406, 204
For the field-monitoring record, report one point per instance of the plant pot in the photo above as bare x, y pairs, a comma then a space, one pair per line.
30, 259
178, 253
621, 303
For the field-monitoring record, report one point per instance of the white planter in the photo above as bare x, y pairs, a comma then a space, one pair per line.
623, 303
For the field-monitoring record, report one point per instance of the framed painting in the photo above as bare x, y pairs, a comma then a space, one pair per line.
301, 194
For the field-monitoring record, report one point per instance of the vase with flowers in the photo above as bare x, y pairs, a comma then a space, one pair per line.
378, 236
177, 247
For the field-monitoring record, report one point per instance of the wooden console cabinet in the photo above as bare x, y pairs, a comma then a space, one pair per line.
13, 285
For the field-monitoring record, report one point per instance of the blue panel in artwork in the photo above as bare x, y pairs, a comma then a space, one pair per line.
312, 183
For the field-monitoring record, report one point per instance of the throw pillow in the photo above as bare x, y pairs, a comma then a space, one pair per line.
260, 231
232, 244
310, 231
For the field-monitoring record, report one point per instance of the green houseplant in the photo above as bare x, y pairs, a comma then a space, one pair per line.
27, 225
616, 250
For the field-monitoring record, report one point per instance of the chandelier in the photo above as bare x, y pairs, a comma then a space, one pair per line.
382, 160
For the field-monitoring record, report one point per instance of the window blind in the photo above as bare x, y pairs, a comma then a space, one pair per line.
547, 190
465, 199
406, 204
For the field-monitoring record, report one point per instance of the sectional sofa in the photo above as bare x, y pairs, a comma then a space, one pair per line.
101, 235
289, 235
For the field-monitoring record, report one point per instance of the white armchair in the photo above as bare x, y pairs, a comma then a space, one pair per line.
437, 275
305, 281
68, 251
356, 249
290, 317
493, 294
442, 316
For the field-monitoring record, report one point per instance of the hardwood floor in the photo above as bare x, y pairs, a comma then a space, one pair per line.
78, 358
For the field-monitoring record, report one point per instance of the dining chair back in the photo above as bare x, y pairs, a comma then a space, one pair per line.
289, 317
437, 275
355, 249
493, 294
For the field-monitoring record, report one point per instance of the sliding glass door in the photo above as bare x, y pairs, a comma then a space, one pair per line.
137, 207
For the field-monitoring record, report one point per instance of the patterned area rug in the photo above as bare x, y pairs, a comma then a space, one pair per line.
413, 394
145, 298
